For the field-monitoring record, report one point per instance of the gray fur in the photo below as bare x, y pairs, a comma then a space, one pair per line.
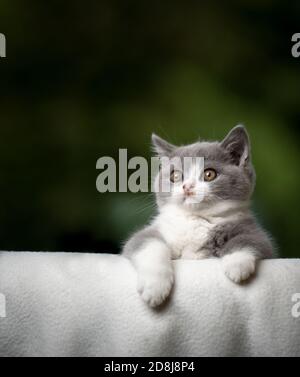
231, 158
235, 235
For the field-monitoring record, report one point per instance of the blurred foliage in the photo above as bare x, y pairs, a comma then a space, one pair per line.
82, 80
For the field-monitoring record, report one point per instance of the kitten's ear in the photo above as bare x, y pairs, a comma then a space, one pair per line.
162, 147
237, 143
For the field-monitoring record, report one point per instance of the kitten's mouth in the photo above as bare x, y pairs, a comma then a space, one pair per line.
193, 200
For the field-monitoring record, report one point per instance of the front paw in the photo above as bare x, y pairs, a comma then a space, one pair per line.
155, 286
239, 266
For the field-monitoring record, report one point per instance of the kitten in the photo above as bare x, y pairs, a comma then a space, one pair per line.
201, 216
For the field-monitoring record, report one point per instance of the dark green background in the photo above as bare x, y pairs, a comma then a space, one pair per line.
82, 79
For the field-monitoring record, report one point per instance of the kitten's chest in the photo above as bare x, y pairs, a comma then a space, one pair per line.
183, 231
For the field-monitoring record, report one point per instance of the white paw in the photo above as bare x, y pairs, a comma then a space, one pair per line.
239, 266
155, 286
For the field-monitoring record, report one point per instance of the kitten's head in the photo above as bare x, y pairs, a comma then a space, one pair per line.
227, 173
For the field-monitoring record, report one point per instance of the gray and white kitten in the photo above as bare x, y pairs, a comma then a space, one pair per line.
200, 217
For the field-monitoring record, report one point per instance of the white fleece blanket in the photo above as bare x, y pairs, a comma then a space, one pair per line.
60, 304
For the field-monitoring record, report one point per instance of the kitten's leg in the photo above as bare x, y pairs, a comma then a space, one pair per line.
240, 265
152, 260
155, 272
241, 253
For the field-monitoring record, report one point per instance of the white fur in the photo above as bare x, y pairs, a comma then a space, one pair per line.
187, 231
155, 272
182, 229
228, 210
239, 265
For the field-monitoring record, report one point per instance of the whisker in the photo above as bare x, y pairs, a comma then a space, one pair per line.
145, 208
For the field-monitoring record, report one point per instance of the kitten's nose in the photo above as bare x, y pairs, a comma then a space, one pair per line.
188, 188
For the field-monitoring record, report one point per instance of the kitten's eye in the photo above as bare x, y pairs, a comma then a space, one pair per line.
176, 176
209, 175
